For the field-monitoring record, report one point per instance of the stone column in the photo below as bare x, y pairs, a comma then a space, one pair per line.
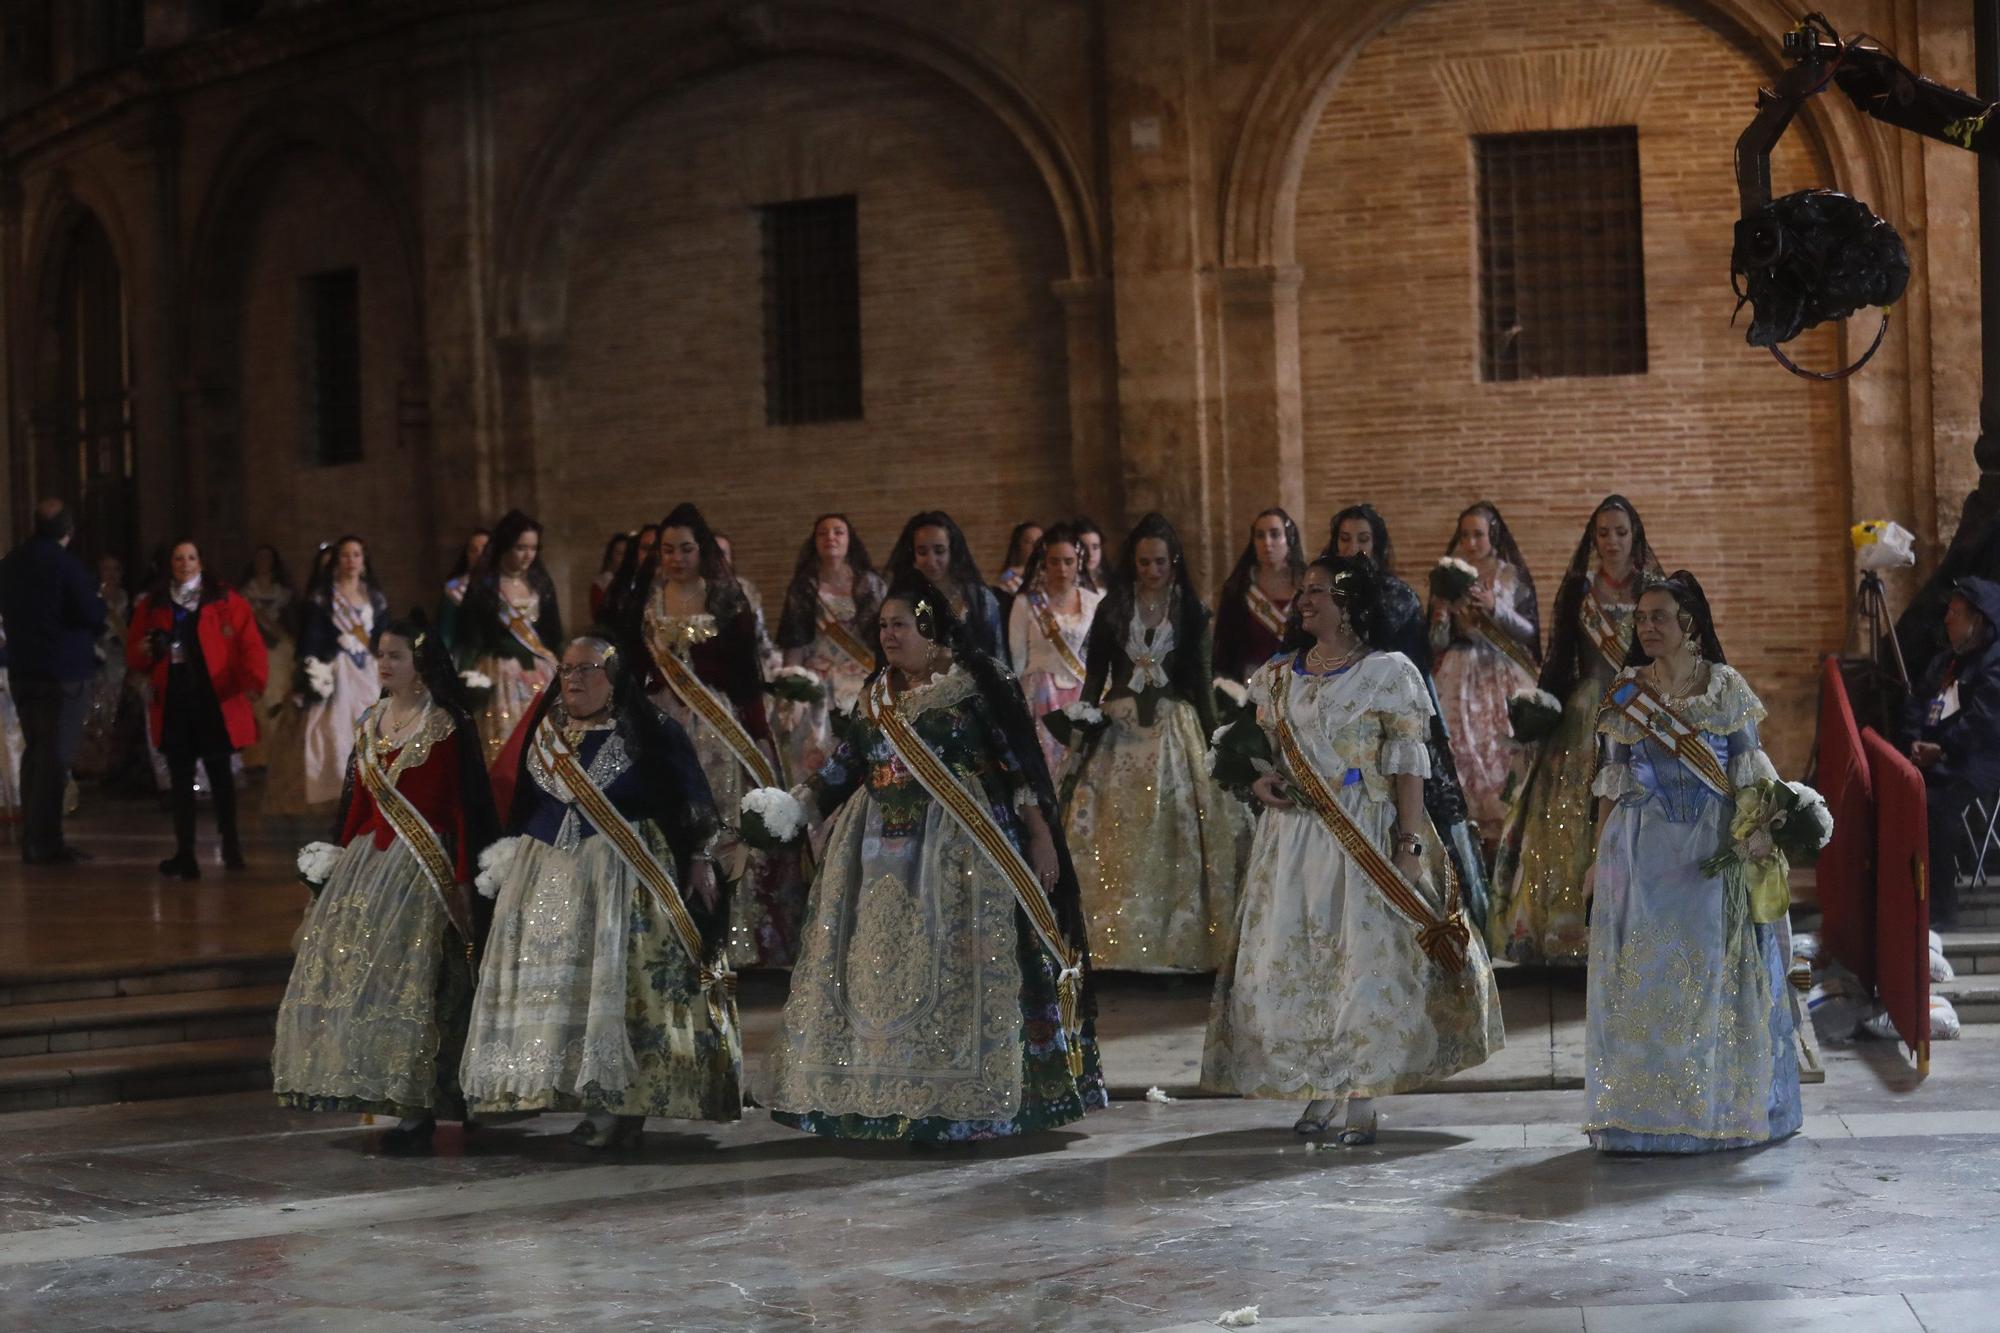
460, 379
1161, 188
1263, 418
1093, 405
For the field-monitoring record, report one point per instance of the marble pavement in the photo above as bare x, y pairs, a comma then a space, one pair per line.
1476, 1210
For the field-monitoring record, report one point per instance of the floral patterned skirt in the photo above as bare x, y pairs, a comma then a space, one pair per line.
1474, 683
1045, 696
1159, 847
1329, 993
923, 1007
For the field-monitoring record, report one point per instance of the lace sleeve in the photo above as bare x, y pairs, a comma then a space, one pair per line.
1404, 706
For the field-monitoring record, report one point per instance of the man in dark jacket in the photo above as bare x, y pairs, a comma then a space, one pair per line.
53, 616
1952, 729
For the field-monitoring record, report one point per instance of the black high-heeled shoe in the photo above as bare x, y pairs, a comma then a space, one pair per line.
414, 1139
181, 866
232, 858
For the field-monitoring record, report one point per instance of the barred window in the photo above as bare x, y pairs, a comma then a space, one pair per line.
812, 312
330, 305
1562, 283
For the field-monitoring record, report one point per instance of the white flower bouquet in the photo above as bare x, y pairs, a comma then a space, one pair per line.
771, 819
1075, 723
494, 863
475, 680
316, 862
319, 678
1533, 715
1452, 578
796, 684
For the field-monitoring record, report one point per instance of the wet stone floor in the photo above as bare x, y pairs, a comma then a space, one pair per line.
1476, 1210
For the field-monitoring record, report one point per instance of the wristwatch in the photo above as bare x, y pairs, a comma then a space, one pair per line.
1411, 843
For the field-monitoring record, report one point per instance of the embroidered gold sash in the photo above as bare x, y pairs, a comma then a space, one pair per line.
1643, 706
971, 815
350, 627
698, 698
836, 632
1445, 939
522, 628
717, 980
410, 826
1603, 631
1486, 627
1265, 610
1045, 616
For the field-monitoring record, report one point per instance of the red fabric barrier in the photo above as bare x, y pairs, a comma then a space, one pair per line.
1846, 868
1902, 894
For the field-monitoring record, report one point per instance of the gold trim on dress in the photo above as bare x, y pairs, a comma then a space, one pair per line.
1646, 708
717, 980
409, 825
697, 697
972, 816
1444, 939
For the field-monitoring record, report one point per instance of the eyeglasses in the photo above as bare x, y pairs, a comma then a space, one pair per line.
580, 670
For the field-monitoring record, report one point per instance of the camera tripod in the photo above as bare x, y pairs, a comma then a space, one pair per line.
1874, 627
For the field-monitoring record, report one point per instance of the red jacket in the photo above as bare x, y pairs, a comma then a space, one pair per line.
231, 646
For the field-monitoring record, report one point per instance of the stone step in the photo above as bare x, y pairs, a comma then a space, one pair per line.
1971, 952
1976, 998
58, 1026
110, 979
135, 1073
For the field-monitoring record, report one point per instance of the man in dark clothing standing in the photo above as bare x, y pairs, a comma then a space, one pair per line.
53, 616
1952, 729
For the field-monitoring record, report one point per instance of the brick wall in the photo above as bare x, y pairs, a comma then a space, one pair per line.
317, 216
1738, 468
662, 390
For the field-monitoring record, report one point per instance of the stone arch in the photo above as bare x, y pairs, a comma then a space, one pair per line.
241, 188
1260, 185
78, 444
536, 230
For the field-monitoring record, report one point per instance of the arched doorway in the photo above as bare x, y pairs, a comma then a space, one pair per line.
80, 438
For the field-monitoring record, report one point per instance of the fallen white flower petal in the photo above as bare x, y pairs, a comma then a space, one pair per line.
1158, 1095
1243, 1318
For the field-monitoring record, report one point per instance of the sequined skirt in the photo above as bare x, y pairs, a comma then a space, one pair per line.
375, 1011
1158, 845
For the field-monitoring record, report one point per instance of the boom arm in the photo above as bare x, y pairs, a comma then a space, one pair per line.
1876, 82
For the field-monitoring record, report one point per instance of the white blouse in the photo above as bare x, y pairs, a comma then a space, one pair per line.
1031, 649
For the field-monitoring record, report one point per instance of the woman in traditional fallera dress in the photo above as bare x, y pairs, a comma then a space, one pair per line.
690, 614
603, 988
827, 628
268, 589
1090, 570
1545, 849
1487, 648
1355, 975
507, 629
1359, 530
457, 583
98, 755
338, 625
1047, 629
615, 547
374, 1018
1251, 608
932, 545
942, 991
1688, 1035
1159, 845
1020, 545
